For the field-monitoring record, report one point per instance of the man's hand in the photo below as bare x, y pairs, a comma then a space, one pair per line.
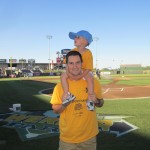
65, 104
99, 102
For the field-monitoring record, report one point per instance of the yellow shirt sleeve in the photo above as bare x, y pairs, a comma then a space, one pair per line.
57, 94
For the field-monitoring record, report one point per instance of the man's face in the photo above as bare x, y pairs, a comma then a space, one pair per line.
74, 65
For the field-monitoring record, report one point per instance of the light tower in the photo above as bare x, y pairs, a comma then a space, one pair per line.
49, 37
96, 40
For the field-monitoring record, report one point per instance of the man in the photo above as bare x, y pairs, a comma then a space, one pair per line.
78, 124
98, 74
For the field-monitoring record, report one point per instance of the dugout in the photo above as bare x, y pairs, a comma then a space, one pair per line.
131, 69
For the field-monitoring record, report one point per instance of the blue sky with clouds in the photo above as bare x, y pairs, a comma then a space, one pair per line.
122, 26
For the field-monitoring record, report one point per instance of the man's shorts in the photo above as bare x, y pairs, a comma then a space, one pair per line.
87, 145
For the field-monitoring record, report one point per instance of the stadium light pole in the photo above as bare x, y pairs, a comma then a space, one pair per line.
22, 63
49, 37
96, 40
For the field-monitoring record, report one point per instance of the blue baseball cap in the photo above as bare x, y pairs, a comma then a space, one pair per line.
82, 33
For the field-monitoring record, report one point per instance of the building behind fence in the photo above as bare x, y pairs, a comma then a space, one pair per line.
131, 69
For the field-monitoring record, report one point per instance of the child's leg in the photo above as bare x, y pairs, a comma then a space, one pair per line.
67, 96
90, 82
64, 82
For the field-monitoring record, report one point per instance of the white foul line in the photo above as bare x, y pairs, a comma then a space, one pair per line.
106, 91
113, 89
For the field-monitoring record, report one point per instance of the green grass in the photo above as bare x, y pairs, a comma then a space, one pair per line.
129, 79
132, 75
26, 93
105, 81
144, 81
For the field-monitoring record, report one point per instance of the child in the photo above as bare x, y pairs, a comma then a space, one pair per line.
82, 39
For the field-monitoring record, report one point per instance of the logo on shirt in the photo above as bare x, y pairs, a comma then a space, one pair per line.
78, 106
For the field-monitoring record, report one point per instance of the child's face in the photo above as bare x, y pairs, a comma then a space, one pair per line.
80, 41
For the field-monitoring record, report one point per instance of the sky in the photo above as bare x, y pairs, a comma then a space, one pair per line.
122, 28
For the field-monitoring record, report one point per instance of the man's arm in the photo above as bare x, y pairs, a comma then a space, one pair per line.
58, 108
61, 107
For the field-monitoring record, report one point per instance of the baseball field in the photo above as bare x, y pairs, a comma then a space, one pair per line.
125, 96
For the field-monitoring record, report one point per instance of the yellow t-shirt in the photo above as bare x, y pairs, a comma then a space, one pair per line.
76, 123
